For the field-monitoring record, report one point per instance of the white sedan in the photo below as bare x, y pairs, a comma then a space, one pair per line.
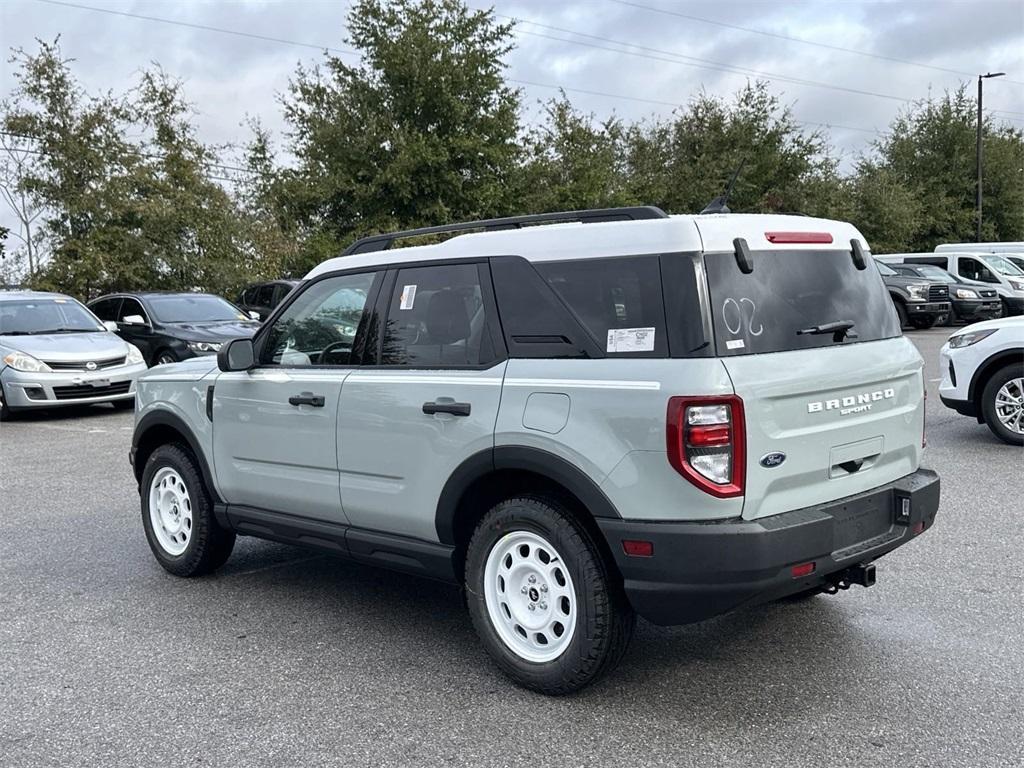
983, 375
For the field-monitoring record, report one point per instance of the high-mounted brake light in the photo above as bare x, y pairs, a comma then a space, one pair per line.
798, 237
707, 442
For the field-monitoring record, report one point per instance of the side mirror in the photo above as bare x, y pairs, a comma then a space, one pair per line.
254, 314
236, 355
110, 325
134, 320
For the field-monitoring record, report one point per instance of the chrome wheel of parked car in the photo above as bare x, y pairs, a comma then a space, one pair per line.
530, 596
170, 511
1010, 405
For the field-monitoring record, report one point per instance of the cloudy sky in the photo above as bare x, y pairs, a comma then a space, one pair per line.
851, 65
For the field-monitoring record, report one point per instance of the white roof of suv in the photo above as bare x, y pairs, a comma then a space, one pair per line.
575, 240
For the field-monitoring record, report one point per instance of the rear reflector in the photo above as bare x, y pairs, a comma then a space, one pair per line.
804, 569
798, 237
635, 548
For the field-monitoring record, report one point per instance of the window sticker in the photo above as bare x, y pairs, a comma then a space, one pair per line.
735, 344
408, 297
630, 340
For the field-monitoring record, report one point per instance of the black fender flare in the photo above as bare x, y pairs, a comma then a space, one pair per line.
157, 419
987, 368
535, 460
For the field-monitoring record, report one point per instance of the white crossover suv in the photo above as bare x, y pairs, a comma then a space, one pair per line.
983, 375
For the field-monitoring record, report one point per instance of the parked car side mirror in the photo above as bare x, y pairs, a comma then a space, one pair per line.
236, 355
134, 320
254, 314
110, 325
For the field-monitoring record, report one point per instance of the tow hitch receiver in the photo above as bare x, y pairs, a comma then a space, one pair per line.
863, 574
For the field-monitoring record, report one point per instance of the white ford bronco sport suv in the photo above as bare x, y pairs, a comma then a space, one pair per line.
579, 417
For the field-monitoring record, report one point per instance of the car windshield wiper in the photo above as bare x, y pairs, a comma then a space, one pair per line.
840, 329
62, 330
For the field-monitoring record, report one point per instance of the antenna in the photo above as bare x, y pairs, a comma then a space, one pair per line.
718, 205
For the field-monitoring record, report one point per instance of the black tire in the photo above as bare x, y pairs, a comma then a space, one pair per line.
988, 402
164, 357
209, 545
901, 312
604, 618
923, 323
124, 405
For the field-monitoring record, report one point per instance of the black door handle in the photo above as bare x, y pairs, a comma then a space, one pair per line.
455, 409
307, 398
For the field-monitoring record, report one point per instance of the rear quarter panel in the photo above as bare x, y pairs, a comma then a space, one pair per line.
615, 427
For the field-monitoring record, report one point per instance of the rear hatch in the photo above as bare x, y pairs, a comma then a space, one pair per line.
827, 414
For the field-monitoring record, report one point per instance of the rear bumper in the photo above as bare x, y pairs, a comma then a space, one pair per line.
700, 570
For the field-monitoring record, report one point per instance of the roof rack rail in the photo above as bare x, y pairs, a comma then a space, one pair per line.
384, 241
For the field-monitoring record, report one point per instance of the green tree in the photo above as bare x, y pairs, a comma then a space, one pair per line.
126, 213
884, 208
573, 162
423, 131
683, 163
930, 150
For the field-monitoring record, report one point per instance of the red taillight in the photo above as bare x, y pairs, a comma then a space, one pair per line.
798, 237
707, 442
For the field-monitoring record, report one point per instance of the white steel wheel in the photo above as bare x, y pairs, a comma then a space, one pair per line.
170, 511
1009, 405
530, 597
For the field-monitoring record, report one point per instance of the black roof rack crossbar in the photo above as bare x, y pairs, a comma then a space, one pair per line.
384, 241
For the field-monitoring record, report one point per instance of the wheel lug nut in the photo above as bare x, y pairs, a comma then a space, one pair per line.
543, 587
532, 607
543, 606
533, 579
524, 590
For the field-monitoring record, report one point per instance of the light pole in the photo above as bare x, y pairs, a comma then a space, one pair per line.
986, 76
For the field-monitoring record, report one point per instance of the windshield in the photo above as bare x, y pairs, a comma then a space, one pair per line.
1003, 266
885, 269
934, 273
792, 298
200, 308
38, 316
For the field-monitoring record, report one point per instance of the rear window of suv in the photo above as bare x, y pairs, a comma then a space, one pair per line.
790, 291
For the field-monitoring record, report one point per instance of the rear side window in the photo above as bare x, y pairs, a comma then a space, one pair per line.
790, 291
106, 309
437, 317
618, 300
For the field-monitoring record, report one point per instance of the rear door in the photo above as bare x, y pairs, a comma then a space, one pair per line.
430, 404
843, 410
275, 427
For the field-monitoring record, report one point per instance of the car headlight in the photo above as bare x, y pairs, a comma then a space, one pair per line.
964, 293
134, 355
971, 337
1017, 285
19, 361
919, 292
203, 346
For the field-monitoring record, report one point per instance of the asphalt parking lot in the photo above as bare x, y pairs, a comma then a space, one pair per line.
286, 657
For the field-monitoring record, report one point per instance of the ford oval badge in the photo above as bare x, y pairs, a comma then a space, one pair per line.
770, 460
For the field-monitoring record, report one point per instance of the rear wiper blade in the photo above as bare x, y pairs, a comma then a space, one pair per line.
840, 329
